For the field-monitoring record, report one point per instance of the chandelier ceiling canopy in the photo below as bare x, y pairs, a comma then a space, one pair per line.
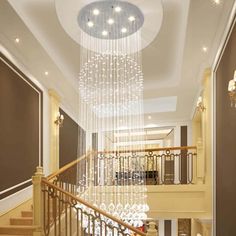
110, 19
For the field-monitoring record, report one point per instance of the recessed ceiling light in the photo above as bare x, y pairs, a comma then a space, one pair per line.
96, 12
104, 33
90, 24
123, 30
110, 21
204, 49
117, 9
17, 40
46, 72
217, 2
149, 117
131, 18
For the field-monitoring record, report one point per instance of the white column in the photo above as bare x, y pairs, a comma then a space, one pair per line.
174, 227
161, 227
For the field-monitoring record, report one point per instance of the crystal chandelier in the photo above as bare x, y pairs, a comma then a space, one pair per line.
232, 90
111, 91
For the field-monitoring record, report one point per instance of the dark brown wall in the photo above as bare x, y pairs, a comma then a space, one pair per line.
226, 144
19, 128
167, 227
183, 142
71, 140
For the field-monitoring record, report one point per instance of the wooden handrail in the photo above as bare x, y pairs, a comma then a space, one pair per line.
104, 213
66, 167
150, 149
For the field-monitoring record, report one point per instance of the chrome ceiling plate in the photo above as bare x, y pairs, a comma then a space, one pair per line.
110, 19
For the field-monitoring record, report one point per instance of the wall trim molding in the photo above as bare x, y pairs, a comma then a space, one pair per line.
15, 186
13, 65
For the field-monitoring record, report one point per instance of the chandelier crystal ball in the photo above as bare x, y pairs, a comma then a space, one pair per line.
110, 19
106, 77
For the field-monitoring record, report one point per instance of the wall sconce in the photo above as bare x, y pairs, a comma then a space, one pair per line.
59, 119
200, 105
232, 90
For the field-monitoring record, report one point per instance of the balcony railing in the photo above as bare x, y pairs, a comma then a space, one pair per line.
161, 166
172, 165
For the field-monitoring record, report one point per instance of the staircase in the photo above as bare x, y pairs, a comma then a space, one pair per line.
22, 225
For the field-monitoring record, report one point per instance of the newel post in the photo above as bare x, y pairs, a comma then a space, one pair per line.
38, 201
152, 230
200, 162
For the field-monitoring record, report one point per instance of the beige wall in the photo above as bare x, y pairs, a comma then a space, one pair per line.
202, 129
196, 227
177, 201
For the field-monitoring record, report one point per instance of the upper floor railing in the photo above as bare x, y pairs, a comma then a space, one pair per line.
171, 165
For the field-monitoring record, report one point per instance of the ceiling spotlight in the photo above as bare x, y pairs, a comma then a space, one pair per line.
17, 40
117, 9
149, 117
204, 49
90, 24
104, 33
123, 30
217, 2
110, 21
46, 72
131, 18
96, 12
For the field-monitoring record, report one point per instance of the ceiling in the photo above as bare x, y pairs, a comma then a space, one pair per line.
146, 136
173, 63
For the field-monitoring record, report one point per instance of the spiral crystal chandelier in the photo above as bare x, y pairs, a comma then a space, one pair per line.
111, 91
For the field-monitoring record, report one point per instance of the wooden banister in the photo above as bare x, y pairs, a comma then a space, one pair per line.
80, 200
66, 167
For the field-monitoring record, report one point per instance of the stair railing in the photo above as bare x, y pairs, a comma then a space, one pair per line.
65, 213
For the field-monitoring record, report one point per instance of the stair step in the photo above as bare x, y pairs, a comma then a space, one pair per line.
27, 214
21, 221
17, 230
